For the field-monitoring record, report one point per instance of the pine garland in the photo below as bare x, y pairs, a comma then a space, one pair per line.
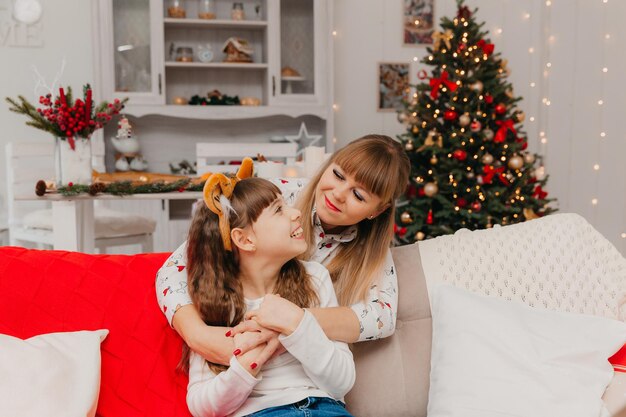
123, 188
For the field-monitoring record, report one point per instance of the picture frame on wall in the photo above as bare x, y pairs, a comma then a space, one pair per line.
418, 16
393, 85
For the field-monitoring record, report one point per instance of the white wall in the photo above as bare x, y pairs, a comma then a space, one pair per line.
370, 31
65, 33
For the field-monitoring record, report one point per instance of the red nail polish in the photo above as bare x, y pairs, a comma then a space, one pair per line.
237, 352
253, 365
228, 333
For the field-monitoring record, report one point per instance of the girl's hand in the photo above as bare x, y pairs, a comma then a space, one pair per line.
277, 314
253, 360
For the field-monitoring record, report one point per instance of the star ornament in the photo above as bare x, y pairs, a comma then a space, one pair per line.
303, 135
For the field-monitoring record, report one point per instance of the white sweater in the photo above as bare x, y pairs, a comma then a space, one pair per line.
313, 366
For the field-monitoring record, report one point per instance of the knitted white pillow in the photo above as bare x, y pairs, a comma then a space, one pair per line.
559, 262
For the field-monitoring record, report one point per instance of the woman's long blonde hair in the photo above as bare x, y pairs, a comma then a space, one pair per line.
213, 272
380, 164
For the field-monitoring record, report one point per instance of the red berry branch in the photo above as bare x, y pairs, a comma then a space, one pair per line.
66, 118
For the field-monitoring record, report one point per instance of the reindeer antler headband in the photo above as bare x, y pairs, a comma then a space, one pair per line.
217, 191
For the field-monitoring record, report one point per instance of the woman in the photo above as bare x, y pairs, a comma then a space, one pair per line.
349, 208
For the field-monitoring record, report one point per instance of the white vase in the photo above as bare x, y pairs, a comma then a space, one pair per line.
72, 165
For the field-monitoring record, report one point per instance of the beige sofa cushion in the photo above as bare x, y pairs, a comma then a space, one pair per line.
393, 373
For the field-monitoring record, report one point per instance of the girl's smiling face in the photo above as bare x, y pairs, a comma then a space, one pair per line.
278, 231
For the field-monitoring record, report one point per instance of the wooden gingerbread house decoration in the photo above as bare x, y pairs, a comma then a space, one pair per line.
237, 50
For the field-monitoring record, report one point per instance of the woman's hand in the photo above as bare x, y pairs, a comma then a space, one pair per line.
278, 314
256, 335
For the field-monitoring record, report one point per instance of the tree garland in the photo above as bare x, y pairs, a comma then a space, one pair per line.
121, 188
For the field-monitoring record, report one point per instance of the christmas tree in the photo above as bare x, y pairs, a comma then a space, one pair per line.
470, 168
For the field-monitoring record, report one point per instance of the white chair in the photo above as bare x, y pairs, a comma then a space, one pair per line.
30, 222
209, 152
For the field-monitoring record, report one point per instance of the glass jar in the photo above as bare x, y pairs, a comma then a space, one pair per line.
184, 54
237, 12
176, 9
206, 9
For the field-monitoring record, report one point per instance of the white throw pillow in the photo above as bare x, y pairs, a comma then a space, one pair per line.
55, 374
492, 357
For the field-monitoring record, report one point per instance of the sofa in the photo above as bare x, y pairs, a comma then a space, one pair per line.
56, 291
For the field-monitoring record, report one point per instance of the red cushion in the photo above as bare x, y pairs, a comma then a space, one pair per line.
55, 291
619, 360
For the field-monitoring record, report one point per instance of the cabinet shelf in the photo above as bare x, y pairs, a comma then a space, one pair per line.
229, 65
226, 112
214, 24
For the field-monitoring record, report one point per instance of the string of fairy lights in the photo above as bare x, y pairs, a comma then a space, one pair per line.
602, 133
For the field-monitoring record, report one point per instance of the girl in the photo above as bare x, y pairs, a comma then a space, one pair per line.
348, 223
242, 244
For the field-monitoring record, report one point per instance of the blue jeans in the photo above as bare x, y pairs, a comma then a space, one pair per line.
309, 407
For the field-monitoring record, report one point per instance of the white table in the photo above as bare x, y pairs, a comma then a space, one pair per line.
73, 218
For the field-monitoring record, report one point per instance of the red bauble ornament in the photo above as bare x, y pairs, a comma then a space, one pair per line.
459, 154
461, 202
461, 48
421, 74
421, 192
429, 217
400, 231
475, 126
450, 115
488, 98
500, 108
476, 206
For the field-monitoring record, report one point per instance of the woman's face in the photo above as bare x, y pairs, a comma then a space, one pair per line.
341, 201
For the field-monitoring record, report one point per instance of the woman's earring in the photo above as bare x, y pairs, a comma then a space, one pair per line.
371, 217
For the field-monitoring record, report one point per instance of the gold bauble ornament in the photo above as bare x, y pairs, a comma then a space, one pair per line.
521, 116
488, 134
464, 120
420, 236
529, 158
409, 145
516, 162
433, 160
406, 218
415, 129
477, 86
430, 189
487, 159
529, 214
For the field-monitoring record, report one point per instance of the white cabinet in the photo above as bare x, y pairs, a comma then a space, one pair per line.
129, 50
299, 31
138, 43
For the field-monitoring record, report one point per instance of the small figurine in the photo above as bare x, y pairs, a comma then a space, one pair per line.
127, 145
